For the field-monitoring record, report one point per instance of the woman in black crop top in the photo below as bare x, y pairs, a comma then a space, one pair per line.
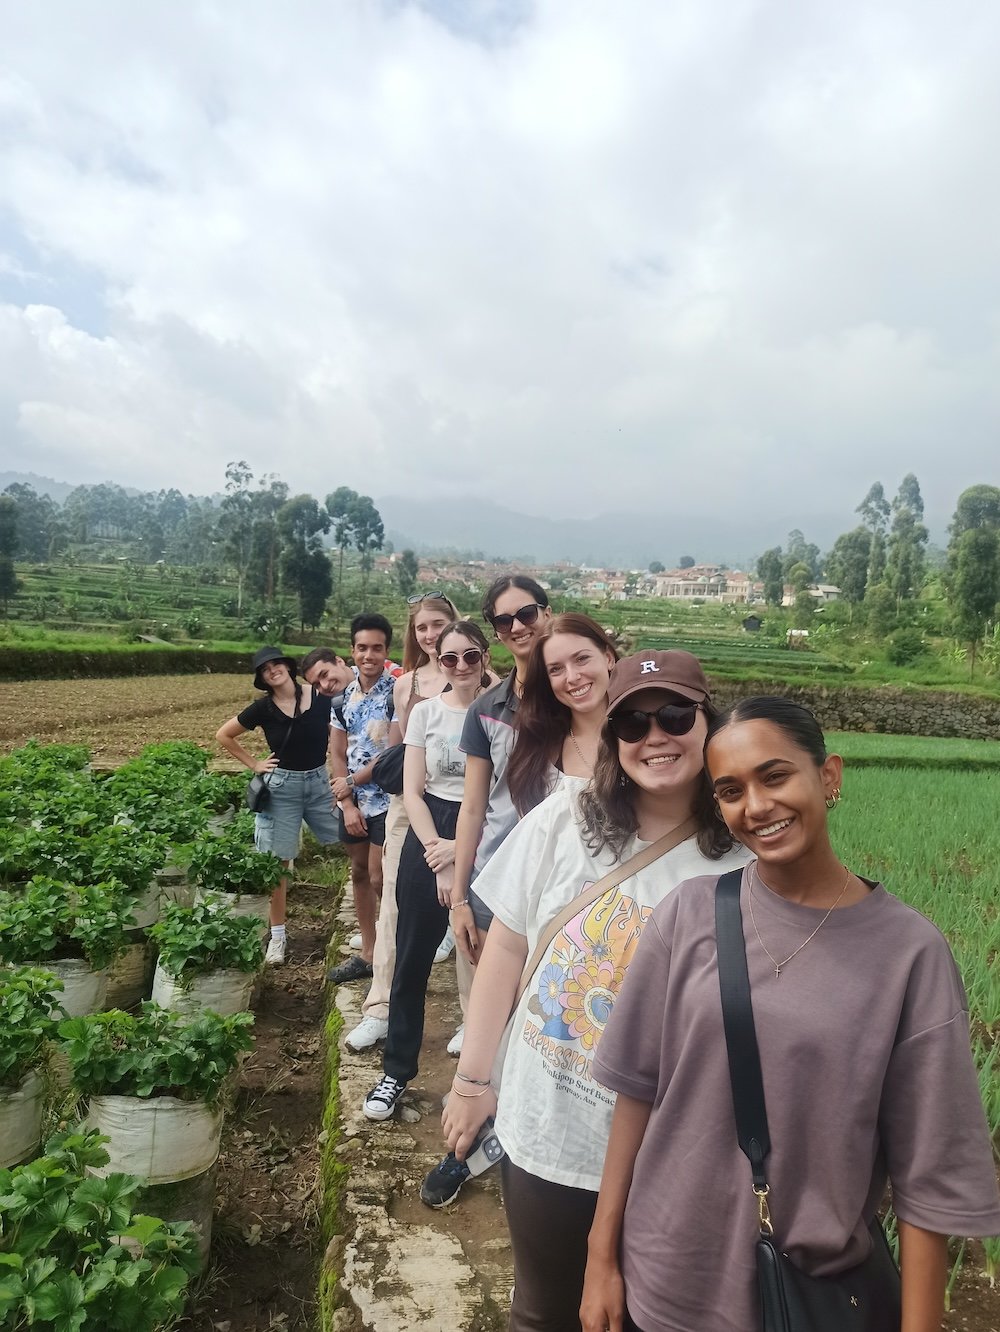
296, 726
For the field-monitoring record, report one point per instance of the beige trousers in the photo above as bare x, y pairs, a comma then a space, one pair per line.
376, 1003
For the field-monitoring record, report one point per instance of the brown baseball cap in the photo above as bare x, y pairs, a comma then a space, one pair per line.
675, 671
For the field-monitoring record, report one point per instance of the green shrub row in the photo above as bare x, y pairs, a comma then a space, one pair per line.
25, 663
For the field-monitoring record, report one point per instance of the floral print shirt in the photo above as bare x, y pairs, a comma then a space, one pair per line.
366, 719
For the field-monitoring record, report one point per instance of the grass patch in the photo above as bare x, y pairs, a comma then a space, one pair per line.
862, 750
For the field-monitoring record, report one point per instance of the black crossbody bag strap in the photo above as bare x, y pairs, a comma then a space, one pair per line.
741, 1035
288, 735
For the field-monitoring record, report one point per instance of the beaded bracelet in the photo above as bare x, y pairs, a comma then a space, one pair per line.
455, 905
476, 1082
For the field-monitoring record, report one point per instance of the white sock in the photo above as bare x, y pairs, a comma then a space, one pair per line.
277, 931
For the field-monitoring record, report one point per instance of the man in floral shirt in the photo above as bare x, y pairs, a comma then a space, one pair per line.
359, 734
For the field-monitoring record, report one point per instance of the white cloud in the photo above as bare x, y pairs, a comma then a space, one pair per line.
601, 255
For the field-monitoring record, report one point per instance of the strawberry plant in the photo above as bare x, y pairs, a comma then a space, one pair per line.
156, 1052
231, 864
29, 1016
198, 939
74, 1254
51, 920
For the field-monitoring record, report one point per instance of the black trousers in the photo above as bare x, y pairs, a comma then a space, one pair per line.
549, 1225
420, 927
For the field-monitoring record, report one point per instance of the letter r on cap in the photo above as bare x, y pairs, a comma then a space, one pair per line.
647, 667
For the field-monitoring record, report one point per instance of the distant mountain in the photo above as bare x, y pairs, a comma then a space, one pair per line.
614, 540
42, 485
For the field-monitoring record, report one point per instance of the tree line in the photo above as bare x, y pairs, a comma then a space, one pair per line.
272, 541
882, 563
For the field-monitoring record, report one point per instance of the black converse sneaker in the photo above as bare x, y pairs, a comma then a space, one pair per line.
381, 1100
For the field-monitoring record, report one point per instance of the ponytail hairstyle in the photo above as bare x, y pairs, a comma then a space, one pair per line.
501, 585
797, 722
413, 654
542, 723
472, 632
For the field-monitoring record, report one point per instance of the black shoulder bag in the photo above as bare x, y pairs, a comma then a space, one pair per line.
257, 792
865, 1298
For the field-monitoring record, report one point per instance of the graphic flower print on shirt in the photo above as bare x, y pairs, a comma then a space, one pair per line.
367, 718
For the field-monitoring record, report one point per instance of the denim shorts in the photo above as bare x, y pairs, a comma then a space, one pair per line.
296, 798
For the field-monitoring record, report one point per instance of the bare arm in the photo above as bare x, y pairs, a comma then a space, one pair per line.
354, 822
923, 1266
400, 708
603, 1303
414, 781
227, 738
490, 1002
471, 817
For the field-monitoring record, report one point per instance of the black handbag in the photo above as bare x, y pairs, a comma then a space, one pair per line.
865, 1298
258, 791
387, 770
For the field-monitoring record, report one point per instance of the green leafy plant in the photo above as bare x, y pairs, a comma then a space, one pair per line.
74, 1254
129, 857
194, 940
29, 1016
51, 920
230, 864
155, 1052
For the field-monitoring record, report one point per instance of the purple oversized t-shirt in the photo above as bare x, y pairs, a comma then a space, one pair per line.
867, 1071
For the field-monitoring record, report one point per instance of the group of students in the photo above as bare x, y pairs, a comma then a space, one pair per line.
573, 821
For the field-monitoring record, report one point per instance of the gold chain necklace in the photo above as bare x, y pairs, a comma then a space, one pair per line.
774, 961
588, 766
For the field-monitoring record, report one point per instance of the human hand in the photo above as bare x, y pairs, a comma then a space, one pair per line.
463, 927
354, 821
463, 1116
266, 765
340, 788
445, 882
602, 1307
439, 854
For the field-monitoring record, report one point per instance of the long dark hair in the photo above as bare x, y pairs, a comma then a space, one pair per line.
608, 804
542, 723
502, 584
797, 722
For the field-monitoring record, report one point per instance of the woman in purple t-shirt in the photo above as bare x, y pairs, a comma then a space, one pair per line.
862, 1025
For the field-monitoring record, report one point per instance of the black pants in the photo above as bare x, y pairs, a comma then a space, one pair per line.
549, 1224
420, 927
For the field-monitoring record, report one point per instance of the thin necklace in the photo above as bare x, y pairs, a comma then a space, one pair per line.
774, 961
588, 766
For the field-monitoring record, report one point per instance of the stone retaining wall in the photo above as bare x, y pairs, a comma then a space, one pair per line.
886, 709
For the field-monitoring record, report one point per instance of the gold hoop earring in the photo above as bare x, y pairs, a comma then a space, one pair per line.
832, 801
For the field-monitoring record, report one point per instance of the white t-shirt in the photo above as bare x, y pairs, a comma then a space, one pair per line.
436, 728
553, 1118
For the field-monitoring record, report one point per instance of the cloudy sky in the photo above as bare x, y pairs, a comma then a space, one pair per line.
571, 255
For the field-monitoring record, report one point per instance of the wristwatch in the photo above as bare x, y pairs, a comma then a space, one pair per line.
350, 781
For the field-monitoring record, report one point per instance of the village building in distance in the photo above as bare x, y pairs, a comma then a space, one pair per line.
701, 583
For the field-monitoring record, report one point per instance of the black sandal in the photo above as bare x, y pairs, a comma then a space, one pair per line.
355, 968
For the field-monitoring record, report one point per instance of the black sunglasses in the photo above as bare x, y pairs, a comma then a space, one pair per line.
631, 725
471, 657
425, 596
503, 624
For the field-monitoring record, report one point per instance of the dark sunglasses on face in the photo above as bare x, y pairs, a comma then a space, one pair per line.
631, 725
424, 596
471, 657
503, 624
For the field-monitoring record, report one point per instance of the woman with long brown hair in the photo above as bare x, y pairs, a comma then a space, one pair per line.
563, 707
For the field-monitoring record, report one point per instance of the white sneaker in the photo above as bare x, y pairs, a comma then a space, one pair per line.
381, 1100
446, 947
454, 1046
354, 943
367, 1034
275, 955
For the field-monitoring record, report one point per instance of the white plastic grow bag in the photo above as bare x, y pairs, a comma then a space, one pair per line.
130, 976
238, 904
160, 1139
21, 1120
84, 991
224, 992
147, 907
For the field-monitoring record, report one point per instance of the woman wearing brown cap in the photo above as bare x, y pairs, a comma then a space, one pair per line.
296, 724
571, 888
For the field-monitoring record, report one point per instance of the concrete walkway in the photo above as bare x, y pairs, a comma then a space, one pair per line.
406, 1265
